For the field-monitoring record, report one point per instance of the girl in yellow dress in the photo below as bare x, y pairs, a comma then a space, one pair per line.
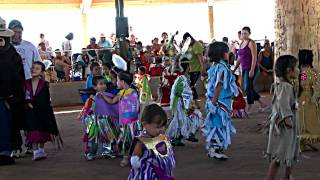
309, 101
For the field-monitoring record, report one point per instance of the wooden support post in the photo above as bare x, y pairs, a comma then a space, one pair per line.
84, 29
211, 18
297, 26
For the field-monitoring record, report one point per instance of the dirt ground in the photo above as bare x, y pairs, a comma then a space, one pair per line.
246, 162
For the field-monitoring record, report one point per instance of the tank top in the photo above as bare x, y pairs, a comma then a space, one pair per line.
245, 57
266, 62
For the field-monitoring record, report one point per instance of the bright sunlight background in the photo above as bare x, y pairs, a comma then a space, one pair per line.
150, 21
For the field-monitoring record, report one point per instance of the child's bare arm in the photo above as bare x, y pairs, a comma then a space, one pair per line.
136, 155
216, 93
110, 100
217, 90
137, 150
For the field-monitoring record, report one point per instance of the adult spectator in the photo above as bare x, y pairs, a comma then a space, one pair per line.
92, 49
248, 60
113, 39
226, 40
26, 49
133, 40
28, 53
67, 47
156, 46
84, 60
265, 59
62, 64
43, 52
11, 92
165, 37
43, 40
93, 44
103, 42
196, 63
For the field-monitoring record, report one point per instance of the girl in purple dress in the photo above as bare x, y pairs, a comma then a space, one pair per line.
41, 125
128, 100
151, 153
101, 124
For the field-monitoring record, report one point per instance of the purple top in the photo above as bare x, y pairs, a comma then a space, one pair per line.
153, 166
103, 108
245, 57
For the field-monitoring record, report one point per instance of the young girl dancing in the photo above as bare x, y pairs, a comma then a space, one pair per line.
128, 112
221, 87
185, 123
151, 153
41, 125
100, 121
283, 144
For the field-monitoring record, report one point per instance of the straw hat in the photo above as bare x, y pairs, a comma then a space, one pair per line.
4, 32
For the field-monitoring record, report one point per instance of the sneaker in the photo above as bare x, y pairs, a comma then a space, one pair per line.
89, 157
39, 155
108, 154
16, 154
214, 153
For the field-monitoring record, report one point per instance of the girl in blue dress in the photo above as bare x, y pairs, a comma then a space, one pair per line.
221, 87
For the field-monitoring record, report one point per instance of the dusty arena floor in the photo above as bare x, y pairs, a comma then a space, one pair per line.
246, 162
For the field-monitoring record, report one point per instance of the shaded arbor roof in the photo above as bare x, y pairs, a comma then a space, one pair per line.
65, 4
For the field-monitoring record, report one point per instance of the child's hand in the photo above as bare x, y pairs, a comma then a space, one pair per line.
288, 122
30, 106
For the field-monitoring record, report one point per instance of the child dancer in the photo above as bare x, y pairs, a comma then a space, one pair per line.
106, 71
221, 87
283, 144
309, 100
181, 125
128, 112
95, 71
168, 78
142, 82
151, 153
100, 121
41, 125
239, 104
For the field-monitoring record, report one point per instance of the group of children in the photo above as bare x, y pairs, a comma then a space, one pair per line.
113, 126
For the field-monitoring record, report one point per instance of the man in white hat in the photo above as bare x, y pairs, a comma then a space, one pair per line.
26, 49
103, 42
11, 90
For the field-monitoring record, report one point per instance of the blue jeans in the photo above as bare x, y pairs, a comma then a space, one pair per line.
5, 129
248, 84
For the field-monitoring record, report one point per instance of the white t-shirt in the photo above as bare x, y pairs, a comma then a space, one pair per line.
29, 54
66, 48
